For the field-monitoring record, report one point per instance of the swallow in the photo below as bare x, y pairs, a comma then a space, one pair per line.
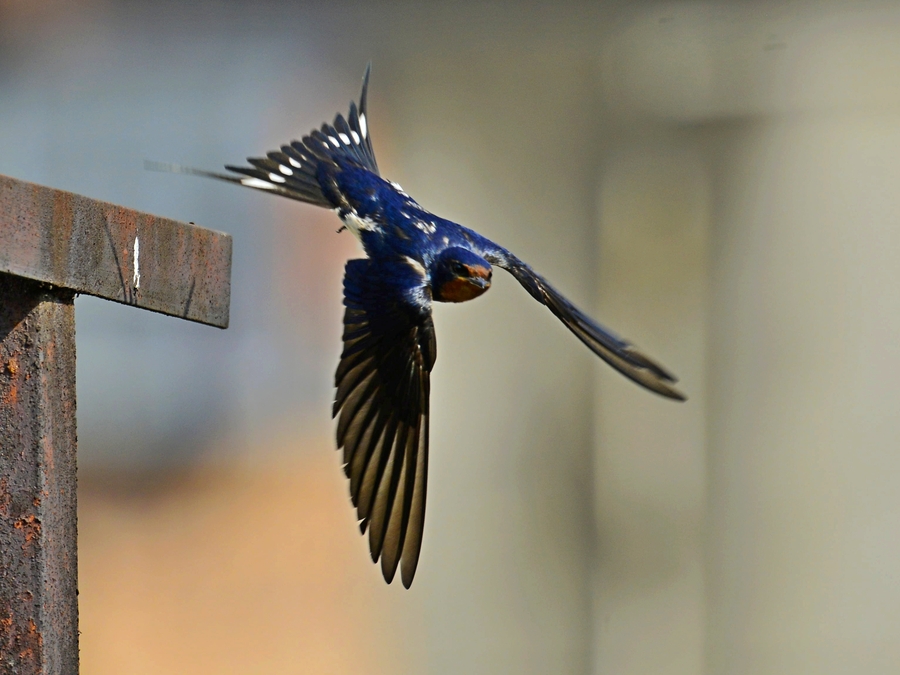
413, 259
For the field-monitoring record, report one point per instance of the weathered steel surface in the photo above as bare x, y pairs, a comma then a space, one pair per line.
38, 553
115, 253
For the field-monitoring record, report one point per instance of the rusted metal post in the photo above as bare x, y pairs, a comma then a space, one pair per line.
52, 245
38, 544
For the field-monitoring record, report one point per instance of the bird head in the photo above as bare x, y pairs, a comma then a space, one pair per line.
459, 275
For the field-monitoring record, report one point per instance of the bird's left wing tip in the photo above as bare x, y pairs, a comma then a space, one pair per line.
618, 353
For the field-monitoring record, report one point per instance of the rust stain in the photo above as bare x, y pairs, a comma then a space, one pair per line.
11, 397
33, 630
31, 525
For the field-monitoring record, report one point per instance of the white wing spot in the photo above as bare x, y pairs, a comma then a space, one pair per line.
334, 141
416, 265
345, 138
285, 170
399, 189
446, 241
294, 163
363, 128
275, 178
426, 227
355, 136
257, 183
137, 269
356, 224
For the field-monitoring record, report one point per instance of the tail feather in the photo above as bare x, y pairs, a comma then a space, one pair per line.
250, 181
296, 166
301, 179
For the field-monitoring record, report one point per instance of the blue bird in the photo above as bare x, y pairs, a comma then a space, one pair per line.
383, 378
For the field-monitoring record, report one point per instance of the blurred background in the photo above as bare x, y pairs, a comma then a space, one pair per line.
716, 181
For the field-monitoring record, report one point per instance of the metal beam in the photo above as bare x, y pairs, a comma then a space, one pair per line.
93, 247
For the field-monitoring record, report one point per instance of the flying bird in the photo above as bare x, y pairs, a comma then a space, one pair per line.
414, 258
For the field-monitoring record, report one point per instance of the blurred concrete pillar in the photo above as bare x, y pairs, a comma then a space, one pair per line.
797, 111
654, 208
804, 422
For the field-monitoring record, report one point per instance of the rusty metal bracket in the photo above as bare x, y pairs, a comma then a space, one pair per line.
54, 244
92, 247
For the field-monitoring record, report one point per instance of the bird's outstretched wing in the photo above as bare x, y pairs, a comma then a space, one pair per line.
303, 169
618, 353
383, 382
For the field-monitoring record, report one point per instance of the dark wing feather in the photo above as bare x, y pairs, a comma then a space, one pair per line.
383, 383
618, 353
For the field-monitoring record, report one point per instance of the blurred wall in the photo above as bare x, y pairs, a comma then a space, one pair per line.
774, 127
712, 180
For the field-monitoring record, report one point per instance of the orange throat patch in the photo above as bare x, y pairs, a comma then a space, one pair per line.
460, 290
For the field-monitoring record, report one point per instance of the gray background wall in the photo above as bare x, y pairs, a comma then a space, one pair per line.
716, 181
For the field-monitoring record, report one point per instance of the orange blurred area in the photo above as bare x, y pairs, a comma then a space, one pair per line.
231, 568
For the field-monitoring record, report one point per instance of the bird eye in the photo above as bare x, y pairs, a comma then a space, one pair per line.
459, 269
